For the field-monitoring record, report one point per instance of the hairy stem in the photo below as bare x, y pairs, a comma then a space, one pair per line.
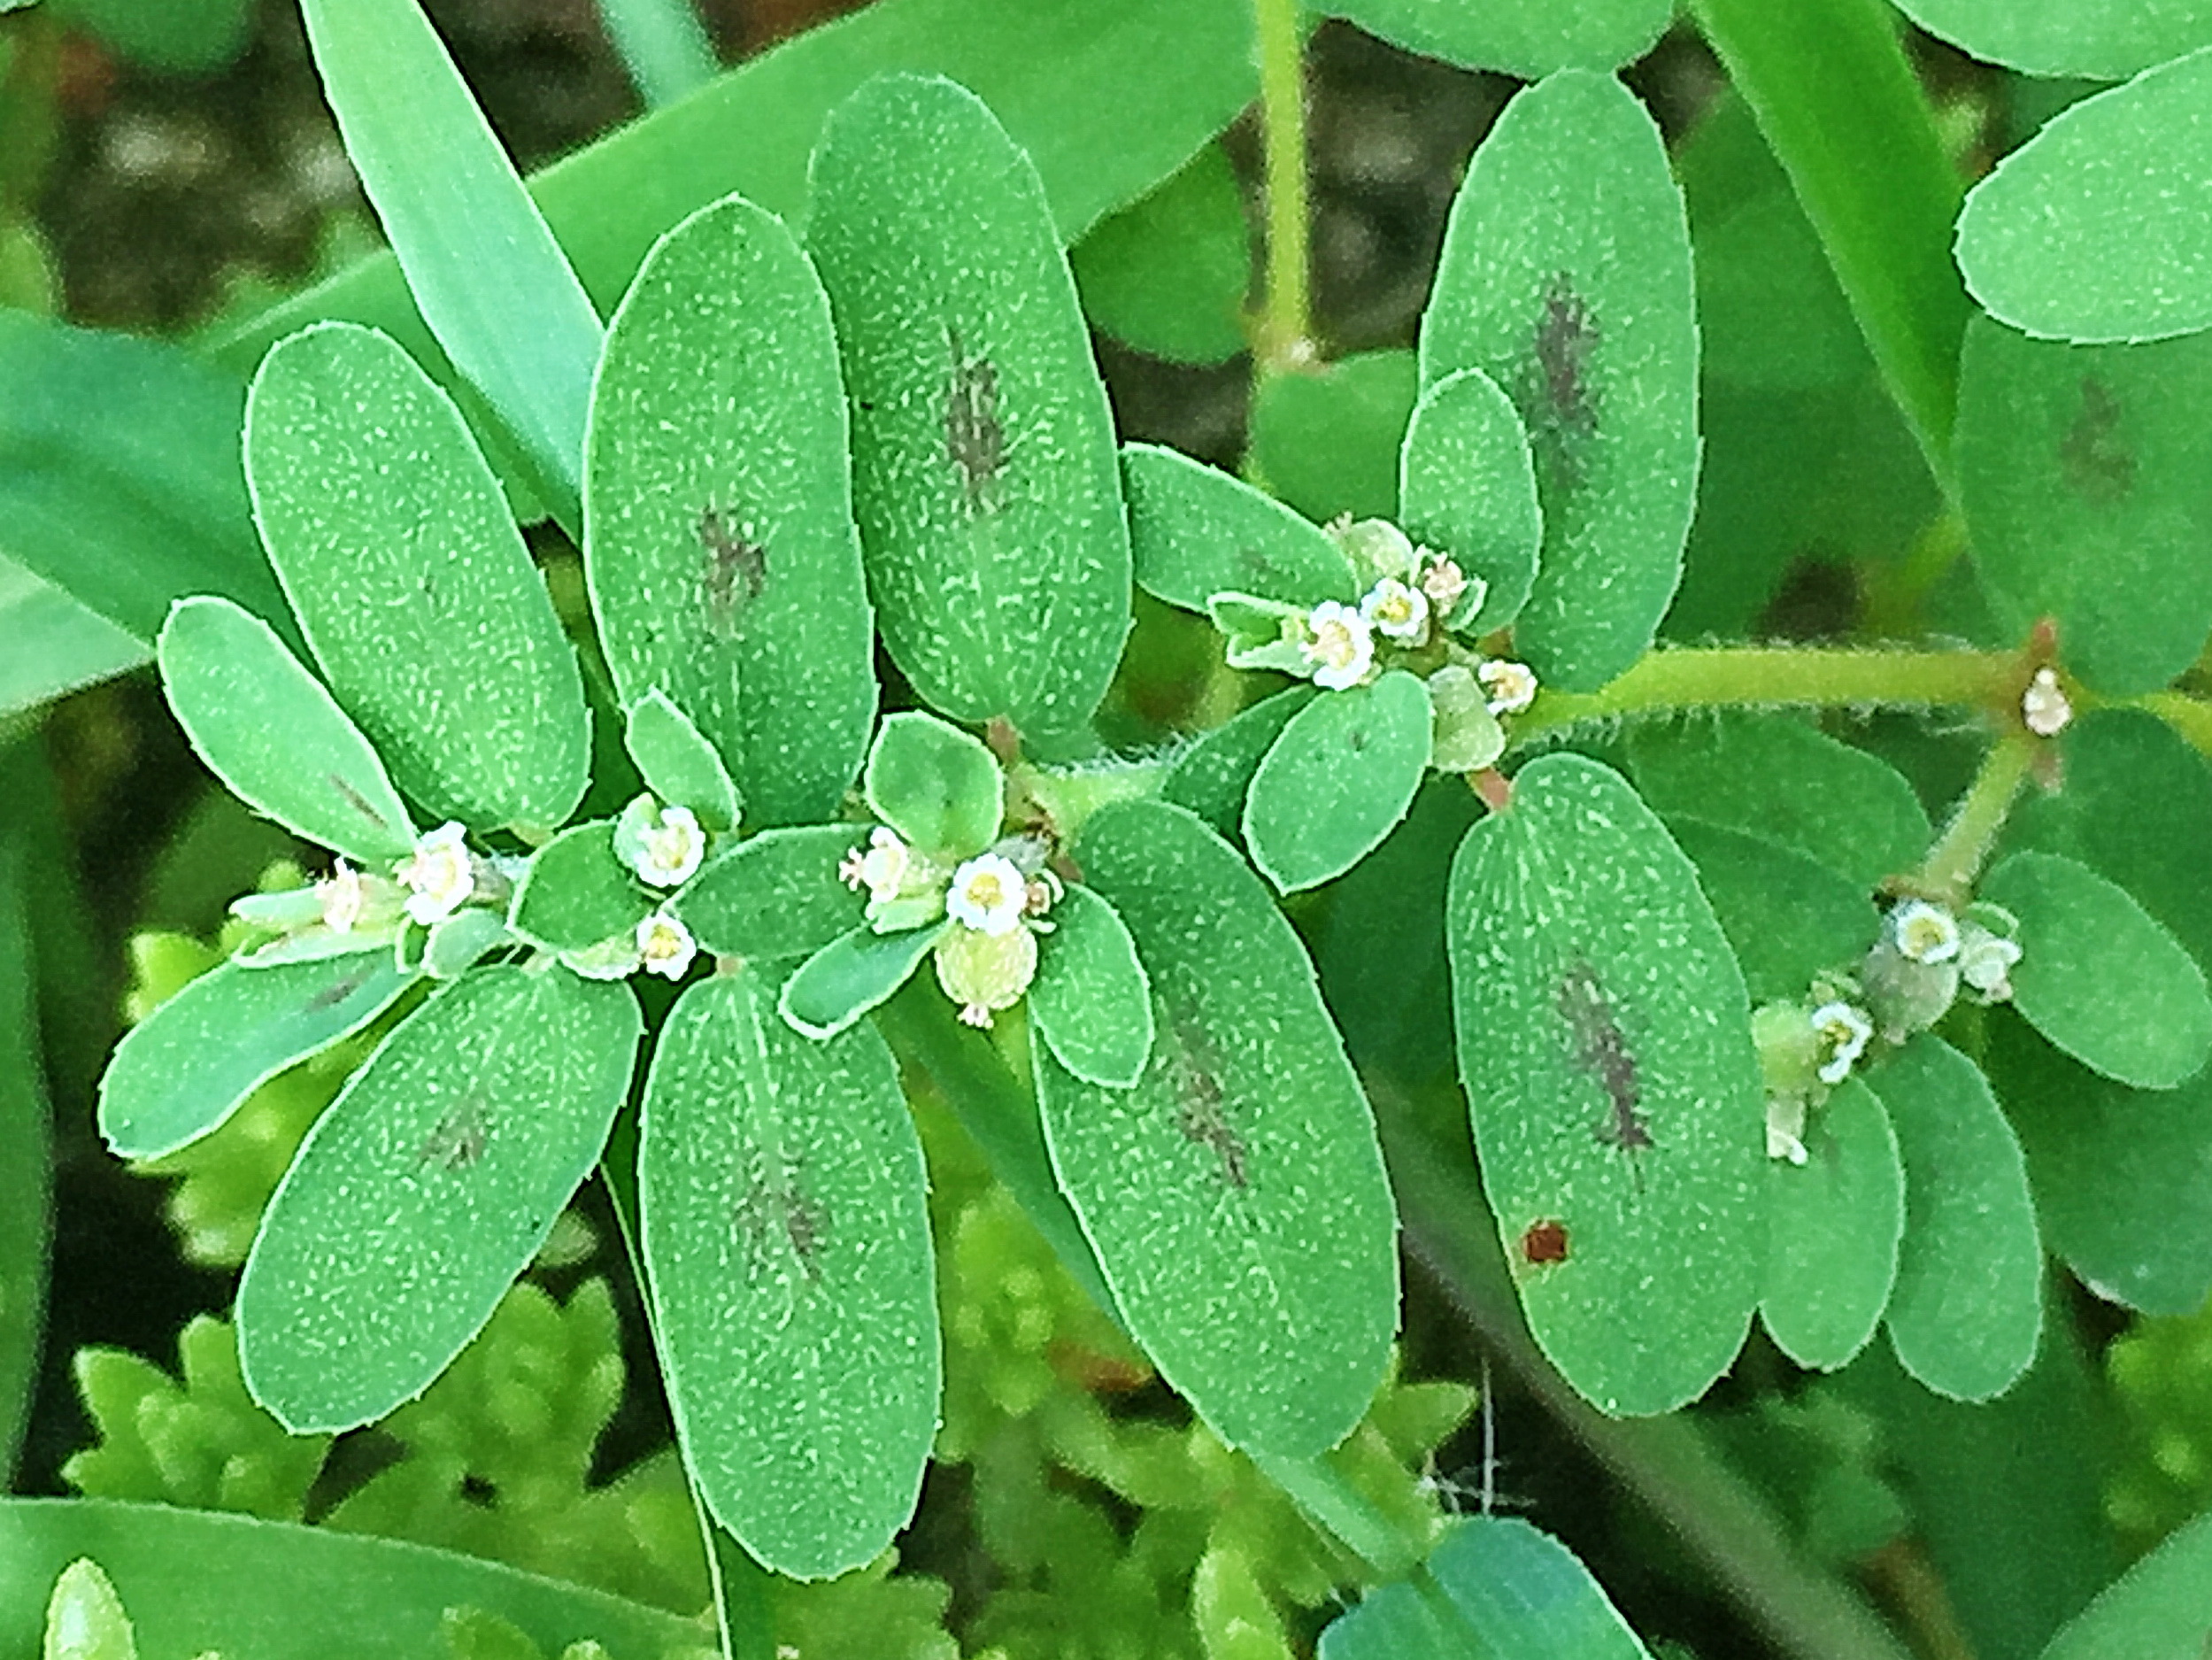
1956, 859
1286, 325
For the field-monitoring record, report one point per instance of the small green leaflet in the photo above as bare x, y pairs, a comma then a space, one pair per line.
1527, 39
783, 1206
1467, 487
718, 510
426, 1186
1833, 1225
2086, 475
777, 895
1091, 1000
1212, 776
1787, 917
1566, 277
1327, 441
1196, 532
983, 450
2095, 230
1236, 1196
267, 728
1967, 1309
677, 762
1605, 1044
1167, 274
2100, 977
183, 1070
576, 893
1338, 780
411, 582
936, 785
852, 975
2095, 40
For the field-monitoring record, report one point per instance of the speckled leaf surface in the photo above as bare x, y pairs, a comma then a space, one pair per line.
1526, 38
269, 730
1967, 1309
576, 893
852, 975
2086, 475
395, 547
777, 895
984, 474
1090, 1001
1598, 1008
2097, 39
678, 763
1787, 917
2098, 976
1467, 487
183, 1070
2096, 228
426, 1187
936, 785
1236, 1196
783, 1206
1833, 1225
1212, 776
1197, 532
718, 510
1566, 278
1338, 780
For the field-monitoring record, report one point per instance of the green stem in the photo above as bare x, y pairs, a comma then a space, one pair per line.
2191, 717
1956, 859
1286, 325
1777, 676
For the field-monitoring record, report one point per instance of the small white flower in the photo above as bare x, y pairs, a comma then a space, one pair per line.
666, 946
1842, 1032
1512, 686
2043, 707
1444, 582
664, 854
1341, 644
881, 869
440, 876
1985, 962
341, 898
1393, 609
1785, 1127
989, 894
1924, 932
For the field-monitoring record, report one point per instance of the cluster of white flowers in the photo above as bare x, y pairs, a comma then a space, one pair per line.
996, 902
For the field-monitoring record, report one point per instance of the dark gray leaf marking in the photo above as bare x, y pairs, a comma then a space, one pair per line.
459, 1139
732, 575
1562, 406
338, 991
1601, 1050
358, 802
2094, 459
781, 1220
975, 438
1201, 1110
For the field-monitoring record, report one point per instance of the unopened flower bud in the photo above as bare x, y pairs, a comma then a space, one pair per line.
985, 972
2045, 708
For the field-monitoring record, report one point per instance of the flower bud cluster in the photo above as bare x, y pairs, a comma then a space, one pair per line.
994, 906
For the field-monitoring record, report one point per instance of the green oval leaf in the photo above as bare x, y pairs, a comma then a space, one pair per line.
1605, 1042
677, 762
2096, 228
1338, 781
2154, 1611
1524, 38
1467, 487
2085, 473
852, 975
1236, 1196
1566, 277
983, 450
718, 508
411, 582
1196, 532
1213, 775
425, 1188
776, 896
936, 785
1787, 919
2097, 39
1966, 1311
269, 730
1326, 440
1091, 1000
576, 893
1833, 1225
2098, 976
183, 1070
784, 1212
1167, 273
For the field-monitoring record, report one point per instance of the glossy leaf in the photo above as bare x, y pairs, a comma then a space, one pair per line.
725, 568
677, 762
1327, 441
852, 975
449, 198
2098, 976
25, 1175
183, 1070
2085, 472
1236, 1196
1338, 780
2100, 40
936, 785
1213, 775
269, 730
2154, 1611
1605, 1044
2095, 229
197, 1582
1967, 1309
1198, 531
1566, 278
984, 475
776, 896
1833, 1225
426, 1186
787, 1235
577, 893
1467, 487
411, 582
1167, 274
1786, 918
1090, 1001
1525, 38
54, 644
1786, 782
